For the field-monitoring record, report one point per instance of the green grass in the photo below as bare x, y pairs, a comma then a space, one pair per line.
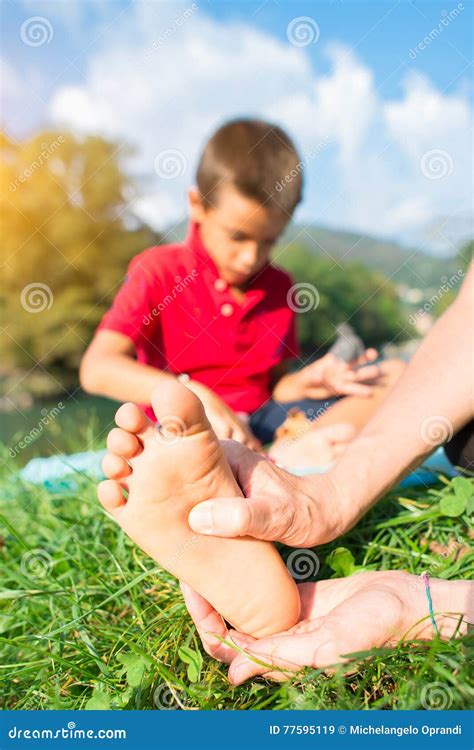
87, 620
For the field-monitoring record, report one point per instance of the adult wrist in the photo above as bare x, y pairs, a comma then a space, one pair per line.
450, 601
329, 515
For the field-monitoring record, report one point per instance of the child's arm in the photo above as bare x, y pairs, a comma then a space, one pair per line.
109, 368
325, 378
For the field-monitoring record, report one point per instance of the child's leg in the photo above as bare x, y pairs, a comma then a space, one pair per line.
324, 439
165, 474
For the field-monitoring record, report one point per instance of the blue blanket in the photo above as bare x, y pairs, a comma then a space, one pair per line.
58, 473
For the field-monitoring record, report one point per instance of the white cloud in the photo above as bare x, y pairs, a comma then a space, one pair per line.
166, 75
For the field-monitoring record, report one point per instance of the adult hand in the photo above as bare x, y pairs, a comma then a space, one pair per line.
277, 506
224, 422
338, 617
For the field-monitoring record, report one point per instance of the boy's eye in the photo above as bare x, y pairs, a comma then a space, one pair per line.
238, 237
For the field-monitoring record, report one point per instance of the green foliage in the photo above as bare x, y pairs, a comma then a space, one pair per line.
457, 498
352, 292
63, 208
400, 264
341, 561
96, 624
465, 255
193, 659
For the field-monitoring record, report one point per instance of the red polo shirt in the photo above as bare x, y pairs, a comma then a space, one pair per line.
182, 318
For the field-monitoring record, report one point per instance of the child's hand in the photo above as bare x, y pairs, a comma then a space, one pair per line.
329, 377
224, 422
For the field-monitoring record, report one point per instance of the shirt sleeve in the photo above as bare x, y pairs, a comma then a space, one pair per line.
132, 310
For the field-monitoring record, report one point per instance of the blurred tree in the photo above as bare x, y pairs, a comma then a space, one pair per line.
451, 284
66, 244
465, 255
349, 292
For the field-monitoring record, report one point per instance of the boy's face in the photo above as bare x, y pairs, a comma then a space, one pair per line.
238, 233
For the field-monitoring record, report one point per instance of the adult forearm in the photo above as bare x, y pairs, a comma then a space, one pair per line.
431, 401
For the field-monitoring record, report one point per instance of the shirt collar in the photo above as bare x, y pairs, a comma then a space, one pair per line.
258, 285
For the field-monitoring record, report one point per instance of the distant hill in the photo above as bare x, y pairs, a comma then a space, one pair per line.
409, 266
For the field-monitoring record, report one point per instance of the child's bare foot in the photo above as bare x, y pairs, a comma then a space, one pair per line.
316, 446
165, 472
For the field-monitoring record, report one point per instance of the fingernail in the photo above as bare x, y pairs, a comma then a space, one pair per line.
201, 518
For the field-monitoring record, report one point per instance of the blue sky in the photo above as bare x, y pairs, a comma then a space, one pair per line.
382, 118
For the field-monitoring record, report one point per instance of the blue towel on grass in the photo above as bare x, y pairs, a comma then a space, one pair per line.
59, 473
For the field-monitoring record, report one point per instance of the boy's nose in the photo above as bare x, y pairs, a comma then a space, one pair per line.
249, 256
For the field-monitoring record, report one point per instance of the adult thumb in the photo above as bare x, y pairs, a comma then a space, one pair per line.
229, 517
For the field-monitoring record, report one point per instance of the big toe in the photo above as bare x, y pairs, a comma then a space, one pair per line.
178, 410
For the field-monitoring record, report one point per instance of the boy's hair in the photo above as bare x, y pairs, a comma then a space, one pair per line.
257, 158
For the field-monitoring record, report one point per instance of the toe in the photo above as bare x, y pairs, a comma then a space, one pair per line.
123, 443
131, 418
115, 467
178, 410
111, 494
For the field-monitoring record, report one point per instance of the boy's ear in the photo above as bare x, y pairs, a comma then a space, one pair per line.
196, 205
